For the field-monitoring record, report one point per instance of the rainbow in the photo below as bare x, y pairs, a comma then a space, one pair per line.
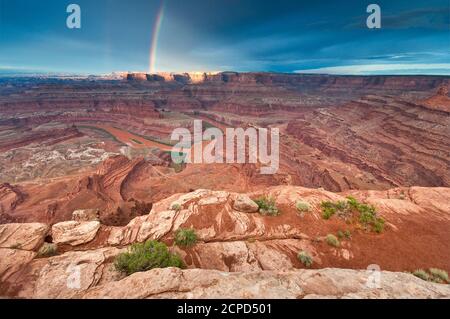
155, 36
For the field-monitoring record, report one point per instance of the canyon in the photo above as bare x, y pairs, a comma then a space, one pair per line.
102, 145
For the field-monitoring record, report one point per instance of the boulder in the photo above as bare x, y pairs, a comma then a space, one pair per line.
75, 233
11, 261
244, 204
23, 236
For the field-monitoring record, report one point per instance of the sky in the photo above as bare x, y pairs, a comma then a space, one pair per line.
225, 35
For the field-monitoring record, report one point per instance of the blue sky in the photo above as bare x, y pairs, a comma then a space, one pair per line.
218, 35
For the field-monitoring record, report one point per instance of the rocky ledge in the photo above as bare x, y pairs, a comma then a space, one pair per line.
240, 253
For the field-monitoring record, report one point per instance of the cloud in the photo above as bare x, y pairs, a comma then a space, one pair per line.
426, 18
371, 69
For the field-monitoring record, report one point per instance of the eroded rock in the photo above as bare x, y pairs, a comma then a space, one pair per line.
207, 284
22, 236
244, 204
74, 233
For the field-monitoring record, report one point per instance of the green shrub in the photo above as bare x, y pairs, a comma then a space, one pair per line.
185, 237
340, 235
367, 213
422, 274
305, 258
302, 206
378, 225
438, 275
332, 240
145, 256
267, 206
47, 250
328, 209
347, 234
176, 207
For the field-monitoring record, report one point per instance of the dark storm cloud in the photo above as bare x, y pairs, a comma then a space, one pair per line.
243, 35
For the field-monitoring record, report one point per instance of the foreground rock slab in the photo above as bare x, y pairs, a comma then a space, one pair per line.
22, 236
75, 233
300, 284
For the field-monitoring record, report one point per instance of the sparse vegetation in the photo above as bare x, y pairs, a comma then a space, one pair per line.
267, 206
328, 209
422, 274
176, 207
332, 240
303, 207
346, 210
136, 141
438, 275
47, 250
434, 275
145, 256
347, 234
340, 234
185, 237
305, 258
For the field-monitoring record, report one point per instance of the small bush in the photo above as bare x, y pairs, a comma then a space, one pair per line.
302, 206
332, 240
438, 275
422, 274
345, 210
267, 206
305, 258
434, 275
328, 209
185, 237
145, 256
176, 207
347, 234
47, 250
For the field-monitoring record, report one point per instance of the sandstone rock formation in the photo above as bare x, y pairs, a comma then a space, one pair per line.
22, 236
244, 204
302, 284
339, 133
86, 171
244, 249
75, 233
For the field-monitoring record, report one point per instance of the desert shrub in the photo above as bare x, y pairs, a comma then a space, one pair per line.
267, 206
185, 237
367, 213
47, 250
176, 207
368, 217
340, 235
145, 256
347, 234
302, 206
328, 209
332, 240
438, 275
305, 258
422, 274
